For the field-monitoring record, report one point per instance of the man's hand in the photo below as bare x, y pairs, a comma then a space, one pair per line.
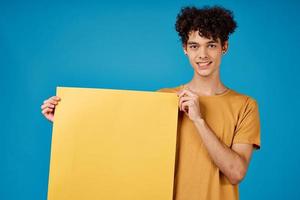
189, 104
48, 107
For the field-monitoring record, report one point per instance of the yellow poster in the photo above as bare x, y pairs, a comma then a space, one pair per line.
113, 145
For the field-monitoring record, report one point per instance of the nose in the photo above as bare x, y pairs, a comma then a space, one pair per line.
202, 53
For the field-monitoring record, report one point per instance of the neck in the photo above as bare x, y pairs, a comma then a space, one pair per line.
206, 86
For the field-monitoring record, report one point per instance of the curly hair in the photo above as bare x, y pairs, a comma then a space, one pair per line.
211, 22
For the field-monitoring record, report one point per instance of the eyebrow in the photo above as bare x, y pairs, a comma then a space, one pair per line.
209, 42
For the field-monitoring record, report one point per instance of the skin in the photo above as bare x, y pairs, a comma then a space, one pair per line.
233, 162
48, 107
206, 80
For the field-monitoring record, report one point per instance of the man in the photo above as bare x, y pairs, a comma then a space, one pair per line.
218, 128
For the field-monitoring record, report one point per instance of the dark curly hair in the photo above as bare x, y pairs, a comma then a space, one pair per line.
211, 22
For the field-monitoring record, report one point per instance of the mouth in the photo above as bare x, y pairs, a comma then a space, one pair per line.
204, 64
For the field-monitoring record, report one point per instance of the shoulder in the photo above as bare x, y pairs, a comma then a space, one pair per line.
241, 98
242, 101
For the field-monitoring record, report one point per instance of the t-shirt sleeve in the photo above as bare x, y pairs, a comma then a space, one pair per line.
162, 90
167, 90
248, 126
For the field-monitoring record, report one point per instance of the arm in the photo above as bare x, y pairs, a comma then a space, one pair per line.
233, 162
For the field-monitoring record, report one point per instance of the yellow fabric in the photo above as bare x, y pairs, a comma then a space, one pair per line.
234, 118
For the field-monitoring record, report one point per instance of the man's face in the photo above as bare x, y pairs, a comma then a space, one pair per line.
204, 54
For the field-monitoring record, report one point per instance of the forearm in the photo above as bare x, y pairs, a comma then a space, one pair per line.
231, 164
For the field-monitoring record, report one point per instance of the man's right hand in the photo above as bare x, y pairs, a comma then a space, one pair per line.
48, 107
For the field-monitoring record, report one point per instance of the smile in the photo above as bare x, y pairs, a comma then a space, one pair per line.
204, 64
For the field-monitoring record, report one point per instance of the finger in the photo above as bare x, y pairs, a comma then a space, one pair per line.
190, 92
185, 88
186, 92
49, 105
46, 101
185, 109
54, 102
53, 98
185, 106
45, 105
50, 101
184, 99
182, 106
56, 98
47, 111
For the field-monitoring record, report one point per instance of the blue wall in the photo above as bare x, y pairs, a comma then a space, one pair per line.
133, 45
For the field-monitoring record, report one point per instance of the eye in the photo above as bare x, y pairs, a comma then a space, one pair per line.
193, 46
212, 46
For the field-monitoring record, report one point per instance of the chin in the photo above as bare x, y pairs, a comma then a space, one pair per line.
204, 73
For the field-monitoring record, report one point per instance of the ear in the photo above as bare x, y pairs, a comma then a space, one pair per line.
225, 46
184, 47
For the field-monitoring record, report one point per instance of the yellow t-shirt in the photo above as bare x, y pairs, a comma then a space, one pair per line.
234, 118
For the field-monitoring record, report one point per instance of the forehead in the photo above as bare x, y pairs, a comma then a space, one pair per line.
195, 37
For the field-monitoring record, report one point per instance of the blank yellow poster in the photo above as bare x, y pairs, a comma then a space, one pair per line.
113, 145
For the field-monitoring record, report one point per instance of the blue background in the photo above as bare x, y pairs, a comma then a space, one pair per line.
133, 45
